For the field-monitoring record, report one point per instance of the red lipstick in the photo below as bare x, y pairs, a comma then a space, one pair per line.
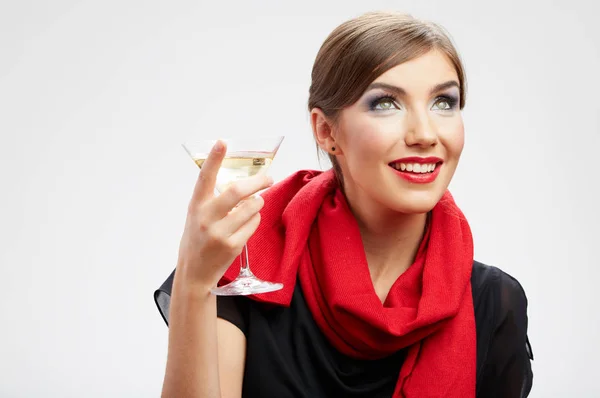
419, 178
416, 159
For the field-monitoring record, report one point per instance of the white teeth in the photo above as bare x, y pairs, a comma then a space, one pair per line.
415, 167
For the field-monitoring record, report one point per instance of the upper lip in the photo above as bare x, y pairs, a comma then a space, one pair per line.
417, 159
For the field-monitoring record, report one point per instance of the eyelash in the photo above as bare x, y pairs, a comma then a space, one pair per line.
452, 102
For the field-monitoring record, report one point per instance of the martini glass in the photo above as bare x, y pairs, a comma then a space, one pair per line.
245, 157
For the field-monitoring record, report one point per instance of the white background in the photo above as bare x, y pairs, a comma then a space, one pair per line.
95, 98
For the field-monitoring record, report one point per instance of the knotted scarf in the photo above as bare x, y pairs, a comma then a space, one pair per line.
308, 233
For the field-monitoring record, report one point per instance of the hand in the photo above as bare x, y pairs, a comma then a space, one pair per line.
215, 229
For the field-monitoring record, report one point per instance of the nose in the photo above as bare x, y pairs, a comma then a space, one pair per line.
421, 132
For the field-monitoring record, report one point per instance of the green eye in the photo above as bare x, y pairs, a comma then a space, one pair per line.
387, 104
450, 103
384, 104
444, 102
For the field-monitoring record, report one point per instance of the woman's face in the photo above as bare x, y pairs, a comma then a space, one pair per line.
398, 146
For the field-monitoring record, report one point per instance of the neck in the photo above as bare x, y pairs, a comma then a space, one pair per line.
391, 239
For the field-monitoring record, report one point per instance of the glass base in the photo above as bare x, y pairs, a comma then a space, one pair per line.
245, 285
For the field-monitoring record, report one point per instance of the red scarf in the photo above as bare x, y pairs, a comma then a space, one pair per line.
308, 231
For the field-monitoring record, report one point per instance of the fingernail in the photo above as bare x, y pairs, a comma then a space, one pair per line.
218, 146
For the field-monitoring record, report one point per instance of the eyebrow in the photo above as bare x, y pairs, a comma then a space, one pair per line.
400, 91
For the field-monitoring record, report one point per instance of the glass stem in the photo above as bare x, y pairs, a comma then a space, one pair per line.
245, 265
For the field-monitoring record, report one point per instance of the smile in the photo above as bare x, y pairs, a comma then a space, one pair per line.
414, 167
417, 170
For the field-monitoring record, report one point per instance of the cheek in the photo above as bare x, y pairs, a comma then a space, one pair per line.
459, 142
454, 140
366, 139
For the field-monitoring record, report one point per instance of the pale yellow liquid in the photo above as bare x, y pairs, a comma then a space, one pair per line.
239, 165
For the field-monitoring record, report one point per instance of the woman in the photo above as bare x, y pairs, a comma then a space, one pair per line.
382, 296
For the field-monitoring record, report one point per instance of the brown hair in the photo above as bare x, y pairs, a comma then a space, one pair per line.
363, 48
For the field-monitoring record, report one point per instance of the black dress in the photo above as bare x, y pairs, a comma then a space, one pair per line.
288, 355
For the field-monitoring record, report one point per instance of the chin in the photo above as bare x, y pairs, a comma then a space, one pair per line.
414, 202
413, 208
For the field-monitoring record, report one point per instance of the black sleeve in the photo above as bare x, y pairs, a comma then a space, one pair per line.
162, 297
235, 310
231, 308
507, 371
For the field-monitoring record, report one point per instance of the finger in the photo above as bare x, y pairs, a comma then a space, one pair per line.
238, 191
207, 178
241, 236
240, 215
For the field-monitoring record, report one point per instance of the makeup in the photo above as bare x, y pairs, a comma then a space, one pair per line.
417, 169
375, 101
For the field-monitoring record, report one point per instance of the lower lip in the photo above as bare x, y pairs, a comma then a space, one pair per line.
424, 178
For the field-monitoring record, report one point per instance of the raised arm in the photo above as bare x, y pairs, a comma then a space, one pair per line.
206, 355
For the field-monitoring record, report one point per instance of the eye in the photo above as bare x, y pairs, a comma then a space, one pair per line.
387, 102
384, 103
448, 103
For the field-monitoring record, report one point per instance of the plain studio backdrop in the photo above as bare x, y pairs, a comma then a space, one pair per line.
96, 97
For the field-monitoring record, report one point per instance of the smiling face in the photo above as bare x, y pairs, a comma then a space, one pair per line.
399, 144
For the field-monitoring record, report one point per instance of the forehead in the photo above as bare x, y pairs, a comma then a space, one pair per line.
420, 74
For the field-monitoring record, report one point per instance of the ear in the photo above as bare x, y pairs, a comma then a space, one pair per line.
324, 132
